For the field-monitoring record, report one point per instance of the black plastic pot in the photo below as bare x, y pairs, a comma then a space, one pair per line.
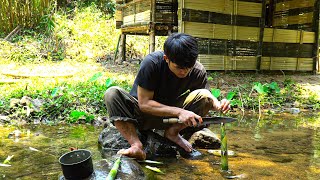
76, 164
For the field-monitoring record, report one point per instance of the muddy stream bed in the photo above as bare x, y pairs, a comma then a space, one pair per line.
281, 147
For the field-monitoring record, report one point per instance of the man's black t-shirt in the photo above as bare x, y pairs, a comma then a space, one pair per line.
155, 75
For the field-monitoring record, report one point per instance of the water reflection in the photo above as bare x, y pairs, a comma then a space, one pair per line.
281, 147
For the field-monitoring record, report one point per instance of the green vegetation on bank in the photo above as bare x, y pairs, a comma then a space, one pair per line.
83, 35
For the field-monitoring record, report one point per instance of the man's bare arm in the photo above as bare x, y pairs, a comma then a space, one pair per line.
150, 106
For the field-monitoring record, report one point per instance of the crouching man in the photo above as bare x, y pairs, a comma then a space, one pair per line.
169, 84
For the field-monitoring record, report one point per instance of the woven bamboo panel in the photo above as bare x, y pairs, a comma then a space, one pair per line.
308, 37
287, 36
220, 62
305, 64
281, 35
212, 62
225, 7
242, 63
299, 19
129, 19
285, 63
247, 33
249, 9
223, 32
220, 6
143, 17
218, 31
293, 4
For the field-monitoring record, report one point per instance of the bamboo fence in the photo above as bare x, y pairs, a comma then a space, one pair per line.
23, 13
294, 14
229, 35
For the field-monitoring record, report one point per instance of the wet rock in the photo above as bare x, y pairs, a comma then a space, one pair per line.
128, 169
158, 146
14, 102
14, 134
282, 159
294, 110
155, 145
205, 139
99, 122
110, 138
4, 119
194, 154
296, 104
25, 101
37, 103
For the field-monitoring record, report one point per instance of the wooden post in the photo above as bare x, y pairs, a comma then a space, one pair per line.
122, 50
316, 29
261, 25
152, 33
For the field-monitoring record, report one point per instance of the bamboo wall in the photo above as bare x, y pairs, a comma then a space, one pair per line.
229, 38
25, 13
139, 11
294, 14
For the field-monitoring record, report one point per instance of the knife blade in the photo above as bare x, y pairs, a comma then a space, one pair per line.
206, 120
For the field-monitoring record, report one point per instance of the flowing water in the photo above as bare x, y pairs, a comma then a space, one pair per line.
279, 147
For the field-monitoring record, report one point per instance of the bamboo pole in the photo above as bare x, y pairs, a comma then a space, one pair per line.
152, 33
261, 25
122, 50
316, 66
224, 149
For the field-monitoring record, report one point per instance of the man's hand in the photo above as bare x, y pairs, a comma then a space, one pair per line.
223, 105
189, 118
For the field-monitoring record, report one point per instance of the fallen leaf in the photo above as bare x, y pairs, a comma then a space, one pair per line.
34, 149
155, 169
7, 160
5, 165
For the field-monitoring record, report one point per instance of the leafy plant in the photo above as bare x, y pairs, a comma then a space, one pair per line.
216, 92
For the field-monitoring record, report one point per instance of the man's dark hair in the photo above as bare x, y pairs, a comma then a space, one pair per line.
181, 49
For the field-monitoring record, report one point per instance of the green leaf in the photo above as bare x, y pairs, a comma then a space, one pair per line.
77, 114
155, 169
55, 91
215, 92
261, 89
210, 78
230, 95
109, 82
7, 160
89, 118
95, 77
275, 87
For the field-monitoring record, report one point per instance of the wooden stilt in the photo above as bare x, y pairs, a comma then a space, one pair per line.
316, 65
152, 33
122, 50
261, 25
152, 41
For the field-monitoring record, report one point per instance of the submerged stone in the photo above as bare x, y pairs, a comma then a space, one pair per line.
205, 139
155, 145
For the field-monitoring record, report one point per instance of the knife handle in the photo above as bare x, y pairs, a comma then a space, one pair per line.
172, 120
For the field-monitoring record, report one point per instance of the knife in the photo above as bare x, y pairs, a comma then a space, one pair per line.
206, 120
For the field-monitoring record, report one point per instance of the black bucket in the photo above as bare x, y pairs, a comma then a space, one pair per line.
76, 164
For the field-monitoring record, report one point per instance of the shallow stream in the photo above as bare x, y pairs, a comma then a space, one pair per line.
278, 147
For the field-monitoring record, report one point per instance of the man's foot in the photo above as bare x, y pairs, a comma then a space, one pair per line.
134, 152
178, 139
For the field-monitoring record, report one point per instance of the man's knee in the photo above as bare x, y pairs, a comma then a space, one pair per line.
111, 93
204, 93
